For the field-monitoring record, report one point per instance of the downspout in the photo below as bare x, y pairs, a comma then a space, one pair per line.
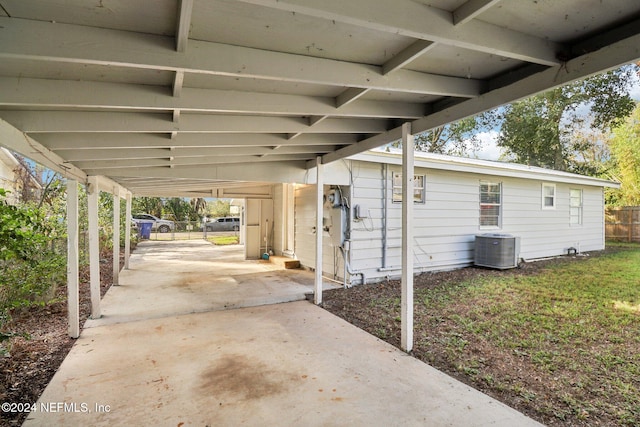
385, 175
347, 266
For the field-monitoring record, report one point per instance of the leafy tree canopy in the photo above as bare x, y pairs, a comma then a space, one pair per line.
541, 130
564, 128
625, 149
455, 139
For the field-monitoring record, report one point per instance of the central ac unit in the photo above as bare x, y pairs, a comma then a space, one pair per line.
500, 251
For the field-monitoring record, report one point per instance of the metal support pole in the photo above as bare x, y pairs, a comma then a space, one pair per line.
317, 299
93, 194
73, 269
406, 336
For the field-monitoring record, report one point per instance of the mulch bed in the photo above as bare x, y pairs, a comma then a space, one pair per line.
42, 342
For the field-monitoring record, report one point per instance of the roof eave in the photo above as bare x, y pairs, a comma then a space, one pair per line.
485, 167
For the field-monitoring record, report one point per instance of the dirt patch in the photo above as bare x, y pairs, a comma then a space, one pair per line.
42, 342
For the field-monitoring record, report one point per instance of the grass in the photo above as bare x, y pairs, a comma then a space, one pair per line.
223, 240
565, 340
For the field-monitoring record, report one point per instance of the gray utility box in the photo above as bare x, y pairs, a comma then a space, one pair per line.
499, 251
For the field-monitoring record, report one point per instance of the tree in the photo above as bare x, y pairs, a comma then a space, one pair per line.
150, 205
199, 205
456, 139
219, 208
179, 209
459, 138
539, 131
625, 149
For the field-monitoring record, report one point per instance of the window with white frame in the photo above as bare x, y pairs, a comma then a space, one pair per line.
418, 188
575, 207
548, 196
490, 204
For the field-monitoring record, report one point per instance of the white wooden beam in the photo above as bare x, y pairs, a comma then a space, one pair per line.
203, 184
314, 120
278, 172
73, 266
116, 236
178, 152
349, 95
45, 94
406, 310
20, 142
65, 121
470, 9
127, 231
403, 58
185, 10
93, 195
115, 166
92, 141
394, 64
44, 41
284, 171
160, 192
109, 186
607, 58
365, 145
317, 294
289, 218
422, 22
178, 81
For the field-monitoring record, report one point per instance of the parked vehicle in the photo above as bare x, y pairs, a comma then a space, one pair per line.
161, 225
223, 224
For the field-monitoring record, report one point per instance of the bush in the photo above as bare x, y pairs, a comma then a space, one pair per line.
29, 269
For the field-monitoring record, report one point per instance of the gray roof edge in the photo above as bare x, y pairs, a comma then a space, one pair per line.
486, 167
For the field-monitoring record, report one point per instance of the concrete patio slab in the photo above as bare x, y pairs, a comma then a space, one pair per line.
291, 364
178, 277
287, 364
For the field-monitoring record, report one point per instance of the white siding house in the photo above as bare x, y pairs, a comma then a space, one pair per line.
10, 179
455, 200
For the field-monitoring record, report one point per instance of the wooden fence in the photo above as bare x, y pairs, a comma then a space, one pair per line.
623, 224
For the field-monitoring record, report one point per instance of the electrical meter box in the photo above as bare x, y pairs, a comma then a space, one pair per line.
338, 227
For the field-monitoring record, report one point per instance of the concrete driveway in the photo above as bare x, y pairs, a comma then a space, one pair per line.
191, 276
170, 352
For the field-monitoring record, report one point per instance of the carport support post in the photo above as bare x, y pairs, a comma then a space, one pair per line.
127, 232
317, 297
116, 235
406, 326
93, 194
73, 269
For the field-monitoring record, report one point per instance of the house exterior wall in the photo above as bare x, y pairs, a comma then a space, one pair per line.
446, 224
305, 214
8, 179
283, 205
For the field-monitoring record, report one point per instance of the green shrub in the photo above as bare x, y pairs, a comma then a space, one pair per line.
29, 268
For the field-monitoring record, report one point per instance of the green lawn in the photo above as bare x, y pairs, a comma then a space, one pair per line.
566, 339
223, 240
558, 340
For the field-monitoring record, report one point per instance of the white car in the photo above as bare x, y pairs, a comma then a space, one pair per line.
161, 225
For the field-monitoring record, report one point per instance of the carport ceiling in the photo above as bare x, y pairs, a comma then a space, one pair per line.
186, 94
